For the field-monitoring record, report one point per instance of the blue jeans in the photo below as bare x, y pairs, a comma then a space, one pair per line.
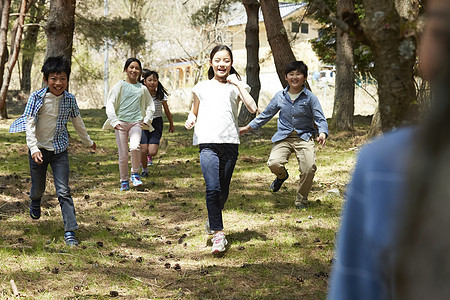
60, 167
217, 162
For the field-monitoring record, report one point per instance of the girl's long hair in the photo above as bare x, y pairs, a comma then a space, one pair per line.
211, 56
160, 90
422, 258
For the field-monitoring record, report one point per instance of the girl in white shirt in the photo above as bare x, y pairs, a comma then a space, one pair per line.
215, 116
129, 109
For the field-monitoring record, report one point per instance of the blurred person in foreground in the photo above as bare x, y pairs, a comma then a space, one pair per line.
394, 238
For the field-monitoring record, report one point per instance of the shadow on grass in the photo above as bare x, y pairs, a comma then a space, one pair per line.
246, 236
277, 257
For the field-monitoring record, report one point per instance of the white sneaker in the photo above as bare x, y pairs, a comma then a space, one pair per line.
219, 242
208, 229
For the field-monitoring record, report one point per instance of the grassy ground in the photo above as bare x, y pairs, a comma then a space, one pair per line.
150, 243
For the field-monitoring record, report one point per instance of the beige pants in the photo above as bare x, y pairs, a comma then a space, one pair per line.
129, 131
306, 157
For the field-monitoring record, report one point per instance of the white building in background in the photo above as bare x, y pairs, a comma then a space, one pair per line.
180, 73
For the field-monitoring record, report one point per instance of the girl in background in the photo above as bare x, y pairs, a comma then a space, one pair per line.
150, 140
214, 114
129, 109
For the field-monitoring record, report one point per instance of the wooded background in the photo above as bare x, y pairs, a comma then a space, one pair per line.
378, 37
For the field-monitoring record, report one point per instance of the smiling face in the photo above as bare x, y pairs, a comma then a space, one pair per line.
151, 82
295, 79
221, 64
57, 83
133, 72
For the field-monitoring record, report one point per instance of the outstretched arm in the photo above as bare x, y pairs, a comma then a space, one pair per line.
245, 129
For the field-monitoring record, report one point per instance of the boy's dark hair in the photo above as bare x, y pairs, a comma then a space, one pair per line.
297, 66
211, 56
160, 91
56, 64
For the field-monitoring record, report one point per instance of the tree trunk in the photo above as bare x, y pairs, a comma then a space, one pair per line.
6, 4
29, 46
60, 27
344, 97
277, 37
252, 46
12, 60
394, 57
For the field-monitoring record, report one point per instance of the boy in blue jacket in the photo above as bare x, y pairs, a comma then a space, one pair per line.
301, 119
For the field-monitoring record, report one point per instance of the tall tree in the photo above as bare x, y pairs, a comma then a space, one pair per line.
392, 41
252, 47
29, 44
18, 29
5, 5
344, 96
394, 56
277, 37
59, 28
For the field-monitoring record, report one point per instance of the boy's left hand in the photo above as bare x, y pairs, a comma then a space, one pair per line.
322, 139
94, 146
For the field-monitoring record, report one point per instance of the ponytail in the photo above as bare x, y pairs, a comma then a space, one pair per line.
161, 91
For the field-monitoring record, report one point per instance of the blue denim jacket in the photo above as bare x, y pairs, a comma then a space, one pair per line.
300, 115
375, 201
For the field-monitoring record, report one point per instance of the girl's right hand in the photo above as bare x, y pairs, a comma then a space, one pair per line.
117, 127
233, 79
190, 122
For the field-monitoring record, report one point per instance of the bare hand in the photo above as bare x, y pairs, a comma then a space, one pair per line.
245, 129
190, 122
171, 128
118, 127
94, 146
233, 79
322, 139
37, 157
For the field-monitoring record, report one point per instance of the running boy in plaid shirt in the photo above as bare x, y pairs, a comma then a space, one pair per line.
45, 117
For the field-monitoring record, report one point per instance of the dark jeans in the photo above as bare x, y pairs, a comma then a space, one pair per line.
217, 162
60, 167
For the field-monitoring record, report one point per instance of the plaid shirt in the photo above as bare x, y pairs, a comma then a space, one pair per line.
68, 109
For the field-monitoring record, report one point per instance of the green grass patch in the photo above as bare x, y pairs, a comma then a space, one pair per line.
150, 243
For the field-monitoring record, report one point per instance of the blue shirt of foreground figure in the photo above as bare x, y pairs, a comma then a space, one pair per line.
374, 201
299, 115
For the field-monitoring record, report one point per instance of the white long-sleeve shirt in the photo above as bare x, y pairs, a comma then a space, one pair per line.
40, 134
